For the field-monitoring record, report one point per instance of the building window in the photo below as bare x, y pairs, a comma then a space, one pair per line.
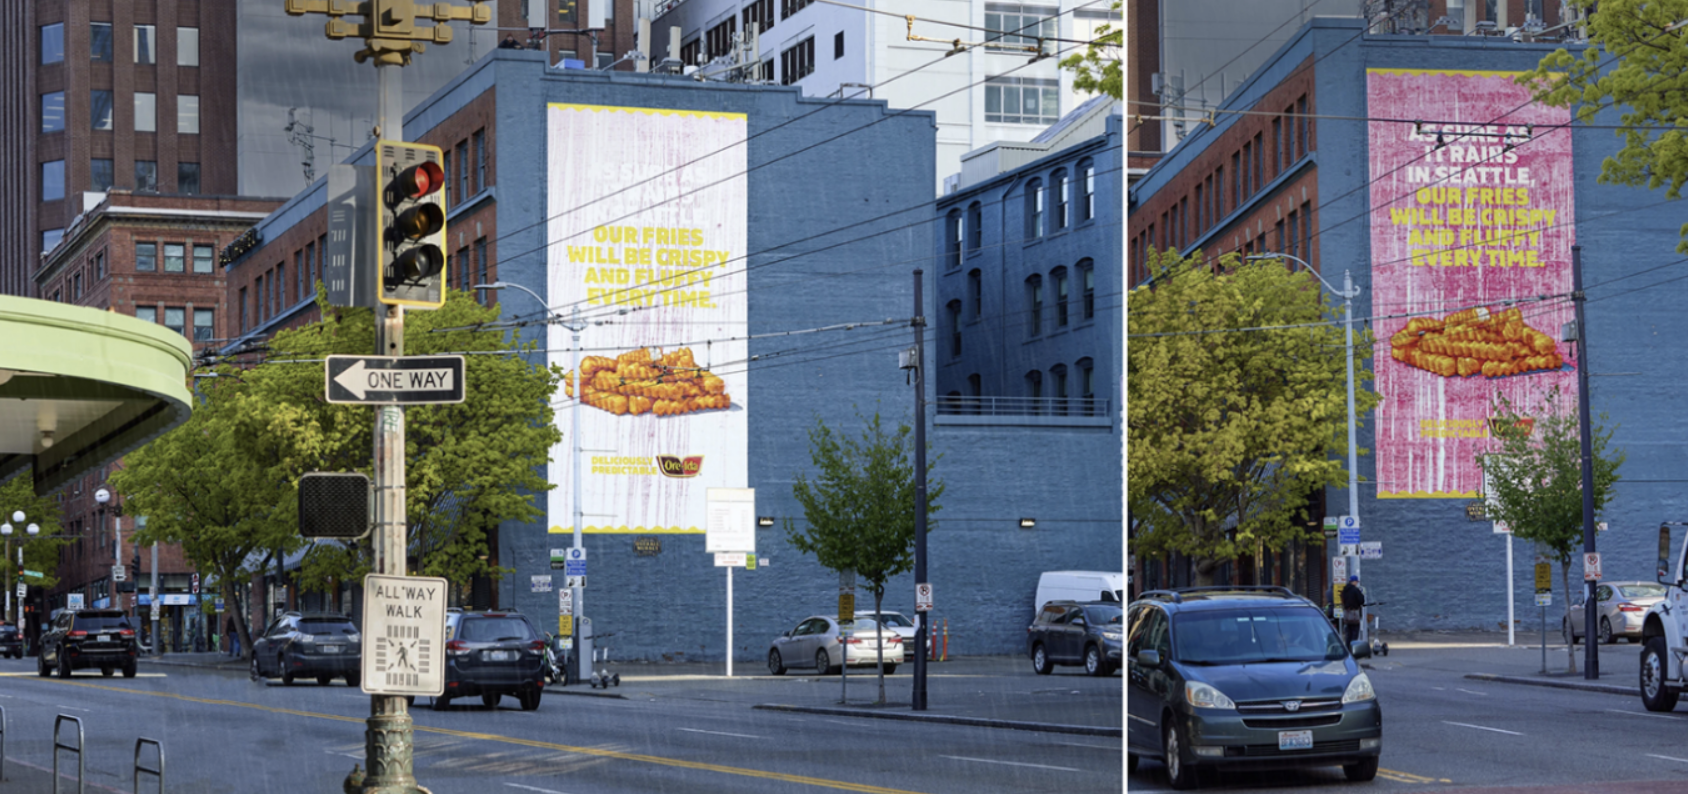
187, 46
146, 314
798, 62
691, 52
99, 265
1034, 306
1087, 386
1087, 283
1060, 277
146, 44
52, 180
463, 193
1058, 187
1010, 25
202, 321
1301, 146
953, 308
1277, 146
187, 179
52, 43
260, 301
175, 319
481, 274
99, 174
52, 111
244, 322
321, 254
301, 263
976, 291
480, 160
953, 233
1259, 159
1034, 209
146, 257
175, 257
1022, 100
1034, 388
975, 226
758, 16
99, 109
76, 287
146, 112
280, 281
99, 41
187, 114
1087, 190
146, 176
789, 7
464, 269
445, 167
838, 45
1058, 374
719, 39
203, 256
305, 268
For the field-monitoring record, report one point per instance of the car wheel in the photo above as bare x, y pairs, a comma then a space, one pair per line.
1606, 632
41, 665
823, 663
1178, 770
1656, 695
64, 666
490, 699
530, 699
1361, 771
286, 674
256, 672
353, 679
129, 670
890, 668
1040, 660
776, 665
1094, 664
441, 703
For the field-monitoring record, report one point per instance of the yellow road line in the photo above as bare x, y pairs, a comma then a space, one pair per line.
1408, 777
490, 737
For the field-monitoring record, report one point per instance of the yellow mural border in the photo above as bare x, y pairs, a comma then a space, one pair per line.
1461, 72
704, 114
625, 530
1430, 495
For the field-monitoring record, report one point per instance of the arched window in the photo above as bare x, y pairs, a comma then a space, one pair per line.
1059, 276
1087, 189
1034, 209
976, 292
954, 310
952, 239
1058, 189
976, 391
1087, 386
975, 226
1034, 305
1034, 392
1087, 289
1058, 388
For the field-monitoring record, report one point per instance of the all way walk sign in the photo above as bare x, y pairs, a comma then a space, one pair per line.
395, 380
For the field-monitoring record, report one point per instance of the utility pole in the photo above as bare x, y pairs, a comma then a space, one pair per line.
391, 35
920, 633
1591, 654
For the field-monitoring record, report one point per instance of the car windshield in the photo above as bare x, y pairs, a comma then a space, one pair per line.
493, 629
1244, 636
895, 620
1642, 590
1104, 616
859, 624
101, 623
327, 626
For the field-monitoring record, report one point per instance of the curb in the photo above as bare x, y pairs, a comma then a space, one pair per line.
1609, 689
553, 689
979, 722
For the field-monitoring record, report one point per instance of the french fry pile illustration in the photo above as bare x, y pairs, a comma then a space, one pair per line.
1475, 342
635, 383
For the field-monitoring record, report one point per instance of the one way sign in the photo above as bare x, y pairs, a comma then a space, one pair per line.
395, 380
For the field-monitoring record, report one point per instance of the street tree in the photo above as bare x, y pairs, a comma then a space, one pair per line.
1533, 475
1237, 410
858, 506
40, 551
1635, 60
1097, 68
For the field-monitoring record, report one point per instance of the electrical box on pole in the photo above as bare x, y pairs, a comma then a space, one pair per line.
411, 223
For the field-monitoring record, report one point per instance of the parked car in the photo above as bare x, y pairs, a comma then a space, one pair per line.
1245, 678
1621, 609
819, 642
1080, 586
897, 622
11, 641
320, 645
492, 654
1070, 633
88, 638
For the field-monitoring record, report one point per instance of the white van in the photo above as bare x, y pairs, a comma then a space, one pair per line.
1079, 586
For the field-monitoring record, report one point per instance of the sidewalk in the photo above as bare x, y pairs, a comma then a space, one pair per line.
986, 691
1484, 655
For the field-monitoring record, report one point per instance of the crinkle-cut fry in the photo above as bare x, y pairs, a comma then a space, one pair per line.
713, 384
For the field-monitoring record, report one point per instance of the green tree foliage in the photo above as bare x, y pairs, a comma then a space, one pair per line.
1231, 430
1098, 68
1534, 478
859, 506
1636, 61
40, 552
225, 484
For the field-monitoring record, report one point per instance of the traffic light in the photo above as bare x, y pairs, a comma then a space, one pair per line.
412, 224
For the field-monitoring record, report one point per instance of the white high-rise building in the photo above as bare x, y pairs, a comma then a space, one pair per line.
981, 95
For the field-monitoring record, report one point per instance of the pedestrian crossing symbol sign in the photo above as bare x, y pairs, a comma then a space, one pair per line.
404, 635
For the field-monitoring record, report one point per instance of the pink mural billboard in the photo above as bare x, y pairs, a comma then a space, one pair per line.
1471, 232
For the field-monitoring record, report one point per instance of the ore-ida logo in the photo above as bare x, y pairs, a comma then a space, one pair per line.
676, 466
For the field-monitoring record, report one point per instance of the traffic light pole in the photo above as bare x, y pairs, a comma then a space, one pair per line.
388, 740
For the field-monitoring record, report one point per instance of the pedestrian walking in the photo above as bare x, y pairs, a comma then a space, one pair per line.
1353, 600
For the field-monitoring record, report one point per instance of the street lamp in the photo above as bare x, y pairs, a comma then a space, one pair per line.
578, 593
1348, 293
14, 603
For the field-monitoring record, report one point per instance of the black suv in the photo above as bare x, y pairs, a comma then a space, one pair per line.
11, 641
1068, 632
320, 645
79, 639
1245, 678
492, 654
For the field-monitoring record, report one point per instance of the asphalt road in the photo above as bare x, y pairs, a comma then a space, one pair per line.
224, 733
1444, 732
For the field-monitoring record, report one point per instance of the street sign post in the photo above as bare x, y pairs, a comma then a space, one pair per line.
394, 380
404, 627
923, 597
574, 562
119, 572
1591, 566
1371, 550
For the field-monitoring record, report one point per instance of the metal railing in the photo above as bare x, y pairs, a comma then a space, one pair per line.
159, 772
1022, 406
59, 745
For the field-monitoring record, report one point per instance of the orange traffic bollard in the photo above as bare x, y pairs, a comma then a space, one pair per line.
945, 657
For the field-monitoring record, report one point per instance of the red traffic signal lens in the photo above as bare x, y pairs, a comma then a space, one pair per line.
420, 262
420, 180
420, 221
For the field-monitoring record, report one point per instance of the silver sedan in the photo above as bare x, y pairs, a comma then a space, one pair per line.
823, 643
1622, 606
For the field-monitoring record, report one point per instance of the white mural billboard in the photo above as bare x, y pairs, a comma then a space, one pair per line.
646, 239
